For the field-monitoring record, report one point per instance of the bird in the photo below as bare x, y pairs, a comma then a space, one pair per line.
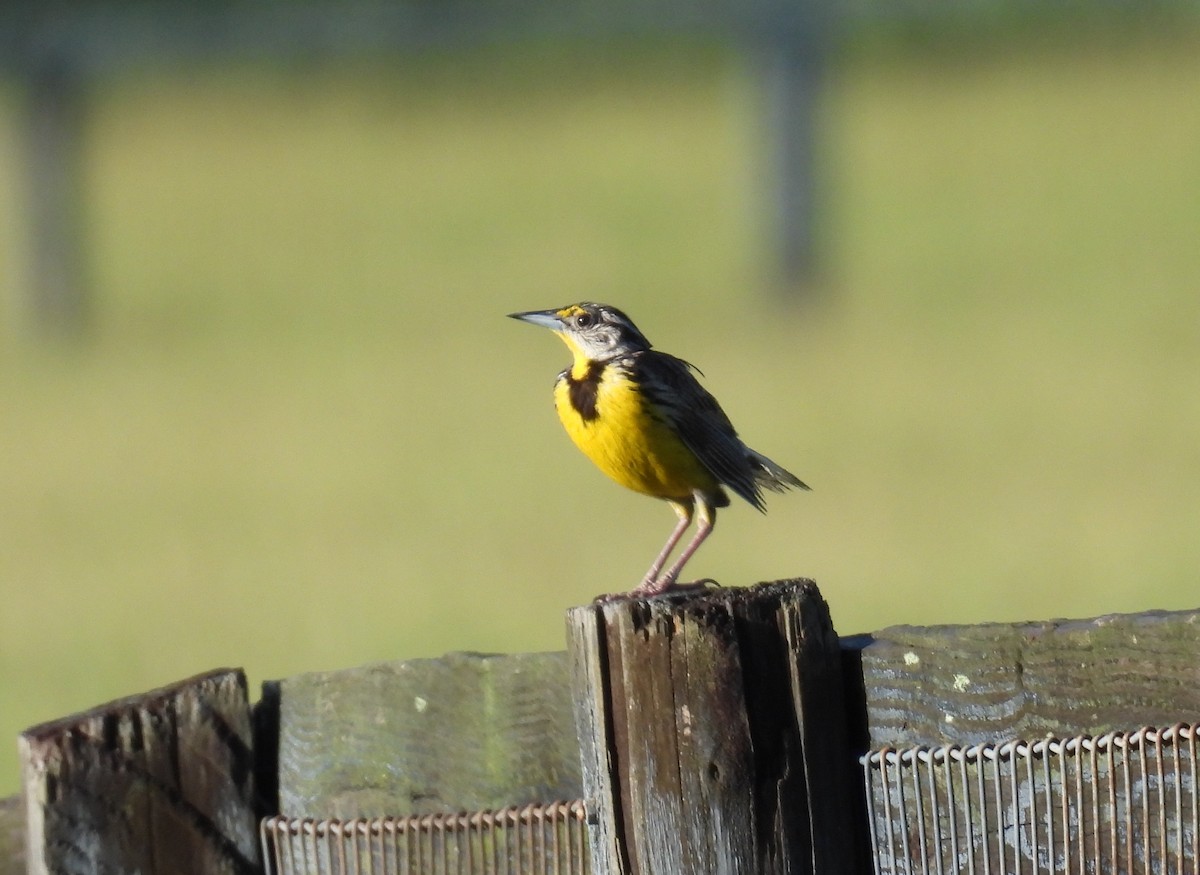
645, 420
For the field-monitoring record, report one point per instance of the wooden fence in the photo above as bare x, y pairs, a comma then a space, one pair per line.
57, 52
724, 731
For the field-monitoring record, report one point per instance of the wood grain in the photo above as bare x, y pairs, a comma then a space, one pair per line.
160, 782
592, 691
831, 801
971, 684
460, 733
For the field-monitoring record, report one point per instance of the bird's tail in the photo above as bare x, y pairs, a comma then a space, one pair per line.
771, 476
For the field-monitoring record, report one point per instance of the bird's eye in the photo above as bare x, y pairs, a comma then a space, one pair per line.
583, 320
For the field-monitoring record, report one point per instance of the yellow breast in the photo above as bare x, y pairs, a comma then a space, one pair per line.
625, 440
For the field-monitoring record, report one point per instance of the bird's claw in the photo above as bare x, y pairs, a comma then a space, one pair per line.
644, 591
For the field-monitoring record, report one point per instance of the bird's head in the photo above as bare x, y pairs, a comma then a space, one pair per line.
596, 332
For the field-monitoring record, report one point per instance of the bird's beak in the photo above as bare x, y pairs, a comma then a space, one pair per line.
545, 318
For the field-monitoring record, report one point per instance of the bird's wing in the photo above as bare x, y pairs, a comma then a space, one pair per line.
677, 396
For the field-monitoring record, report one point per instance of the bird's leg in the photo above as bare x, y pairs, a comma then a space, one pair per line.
650, 583
706, 518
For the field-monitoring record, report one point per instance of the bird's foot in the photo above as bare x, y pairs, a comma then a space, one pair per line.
649, 588
646, 589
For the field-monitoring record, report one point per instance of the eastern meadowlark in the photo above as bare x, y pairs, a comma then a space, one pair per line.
642, 417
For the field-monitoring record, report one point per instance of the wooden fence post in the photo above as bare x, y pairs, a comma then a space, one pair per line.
55, 127
712, 733
161, 782
790, 44
793, 59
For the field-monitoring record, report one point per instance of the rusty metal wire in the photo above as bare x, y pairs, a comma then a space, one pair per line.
1123, 802
538, 839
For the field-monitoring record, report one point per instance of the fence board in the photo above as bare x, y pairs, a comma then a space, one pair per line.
973, 684
153, 783
593, 697
461, 733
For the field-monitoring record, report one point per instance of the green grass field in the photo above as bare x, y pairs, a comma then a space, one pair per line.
303, 435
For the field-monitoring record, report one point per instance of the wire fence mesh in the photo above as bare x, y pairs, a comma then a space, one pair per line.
1122, 802
538, 839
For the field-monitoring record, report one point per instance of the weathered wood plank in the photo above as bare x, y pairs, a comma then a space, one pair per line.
710, 731
592, 688
12, 836
460, 733
160, 782
695, 729
971, 684
814, 666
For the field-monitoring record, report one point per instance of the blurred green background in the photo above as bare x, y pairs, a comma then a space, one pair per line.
300, 433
